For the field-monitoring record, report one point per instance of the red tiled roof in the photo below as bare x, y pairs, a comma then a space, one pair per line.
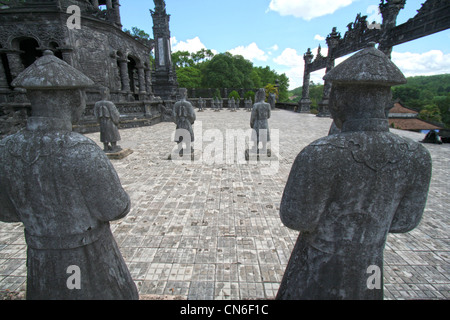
399, 108
412, 124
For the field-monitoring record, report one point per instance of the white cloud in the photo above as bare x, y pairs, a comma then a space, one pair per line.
296, 65
422, 64
307, 9
290, 58
250, 52
318, 37
274, 47
411, 64
190, 45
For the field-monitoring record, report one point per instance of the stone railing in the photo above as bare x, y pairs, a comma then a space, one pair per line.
224, 92
13, 116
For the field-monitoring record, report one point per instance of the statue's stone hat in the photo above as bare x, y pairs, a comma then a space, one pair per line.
51, 73
368, 66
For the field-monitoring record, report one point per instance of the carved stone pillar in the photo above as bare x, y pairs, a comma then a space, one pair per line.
116, 6
305, 102
67, 55
3, 80
389, 11
141, 76
332, 41
148, 81
14, 62
123, 63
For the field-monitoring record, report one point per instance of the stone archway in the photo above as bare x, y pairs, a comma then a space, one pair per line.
29, 48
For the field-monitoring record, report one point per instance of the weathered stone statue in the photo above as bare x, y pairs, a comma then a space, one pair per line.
214, 105
232, 104
259, 119
184, 116
108, 117
248, 104
272, 100
219, 103
348, 190
201, 104
64, 190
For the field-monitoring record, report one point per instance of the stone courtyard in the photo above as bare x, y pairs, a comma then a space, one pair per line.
211, 231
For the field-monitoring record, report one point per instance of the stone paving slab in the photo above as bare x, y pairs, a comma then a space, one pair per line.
210, 229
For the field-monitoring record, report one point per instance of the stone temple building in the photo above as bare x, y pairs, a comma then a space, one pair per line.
97, 46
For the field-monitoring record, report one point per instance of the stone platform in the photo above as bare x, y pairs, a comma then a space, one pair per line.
210, 229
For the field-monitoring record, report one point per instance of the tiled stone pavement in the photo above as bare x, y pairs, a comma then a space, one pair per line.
211, 230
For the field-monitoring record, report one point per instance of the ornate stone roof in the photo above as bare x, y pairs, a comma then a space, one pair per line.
368, 66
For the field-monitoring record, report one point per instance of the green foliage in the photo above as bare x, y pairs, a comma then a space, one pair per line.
250, 94
182, 59
217, 94
138, 34
225, 70
270, 88
430, 95
234, 94
431, 112
189, 77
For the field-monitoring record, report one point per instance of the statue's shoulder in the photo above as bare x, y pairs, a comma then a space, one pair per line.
104, 103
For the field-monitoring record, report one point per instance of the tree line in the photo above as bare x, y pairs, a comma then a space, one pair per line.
203, 69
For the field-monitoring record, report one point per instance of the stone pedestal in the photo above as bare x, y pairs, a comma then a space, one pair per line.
118, 155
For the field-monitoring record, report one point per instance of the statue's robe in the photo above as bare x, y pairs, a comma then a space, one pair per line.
108, 116
184, 116
345, 193
259, 121
64, 190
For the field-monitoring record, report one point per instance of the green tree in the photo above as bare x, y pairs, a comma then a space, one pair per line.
250, 94
283, 93
217, 94
221, 72
431, 112
405, 93
270, 88
234, 94
182, 59
189, 77
256, 79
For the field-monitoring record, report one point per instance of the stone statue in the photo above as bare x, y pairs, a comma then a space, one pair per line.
348, 190
248, 104
272, 100
232, 104
259, 119
214, 105
108, 117
184, 116
219, 103
64, 190
200, 104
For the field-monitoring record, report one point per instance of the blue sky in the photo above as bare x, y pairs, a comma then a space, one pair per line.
276, 33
